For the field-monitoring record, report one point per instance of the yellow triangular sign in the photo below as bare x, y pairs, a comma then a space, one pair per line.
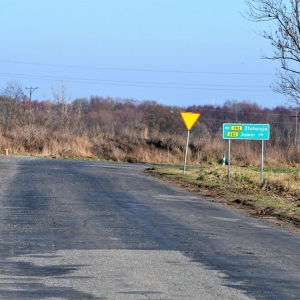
189, 119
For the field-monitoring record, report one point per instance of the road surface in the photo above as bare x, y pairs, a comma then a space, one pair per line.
95, 230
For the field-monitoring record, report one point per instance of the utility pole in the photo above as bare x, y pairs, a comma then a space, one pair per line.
31, 90
296, 131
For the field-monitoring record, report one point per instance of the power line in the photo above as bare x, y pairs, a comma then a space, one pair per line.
296, 118
31, 90
185, 86
140, 82
239, 112
136, 70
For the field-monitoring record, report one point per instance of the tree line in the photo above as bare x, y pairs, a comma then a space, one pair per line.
139, 131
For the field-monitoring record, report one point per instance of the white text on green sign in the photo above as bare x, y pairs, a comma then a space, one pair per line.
239, 131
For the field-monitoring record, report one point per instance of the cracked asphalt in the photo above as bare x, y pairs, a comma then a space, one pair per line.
99, 230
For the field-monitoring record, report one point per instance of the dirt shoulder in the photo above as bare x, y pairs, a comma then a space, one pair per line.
276, 207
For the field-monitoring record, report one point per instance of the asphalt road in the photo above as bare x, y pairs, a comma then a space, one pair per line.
91, 230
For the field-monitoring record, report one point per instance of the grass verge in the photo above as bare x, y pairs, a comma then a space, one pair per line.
277, 199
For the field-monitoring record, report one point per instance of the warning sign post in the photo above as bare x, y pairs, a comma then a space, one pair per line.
189, 119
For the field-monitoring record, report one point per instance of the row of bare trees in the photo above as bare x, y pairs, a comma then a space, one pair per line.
128, 130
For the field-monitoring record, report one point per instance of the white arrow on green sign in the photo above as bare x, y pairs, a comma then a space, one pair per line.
237, 131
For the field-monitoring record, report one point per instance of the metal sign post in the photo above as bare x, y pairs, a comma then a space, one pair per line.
262, 164
228, 161
186, 150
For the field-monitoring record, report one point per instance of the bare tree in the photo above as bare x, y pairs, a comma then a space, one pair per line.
10, 99
14, 90
62, 100
284, 36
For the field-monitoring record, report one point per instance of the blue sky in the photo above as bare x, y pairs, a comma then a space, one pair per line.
174, 52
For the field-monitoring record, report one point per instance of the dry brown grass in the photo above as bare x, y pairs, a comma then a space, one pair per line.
103, 137
110, 146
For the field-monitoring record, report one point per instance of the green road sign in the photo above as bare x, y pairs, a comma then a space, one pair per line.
237, 131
